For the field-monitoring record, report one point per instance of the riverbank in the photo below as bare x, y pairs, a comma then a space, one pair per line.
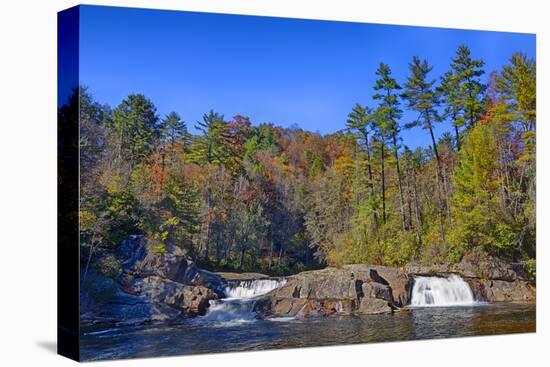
168, 287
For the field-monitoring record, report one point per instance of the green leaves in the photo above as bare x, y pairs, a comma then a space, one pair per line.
463, 88
213, 145
266, 198
135, 126
174, 129
388, 112
421, 95
517, 86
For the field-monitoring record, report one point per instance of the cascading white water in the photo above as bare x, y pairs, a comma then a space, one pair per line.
252, 288
441, 292
237, 307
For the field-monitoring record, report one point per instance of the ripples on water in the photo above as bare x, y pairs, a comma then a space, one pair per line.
194, 336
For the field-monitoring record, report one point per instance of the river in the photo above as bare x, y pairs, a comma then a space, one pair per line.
230, 326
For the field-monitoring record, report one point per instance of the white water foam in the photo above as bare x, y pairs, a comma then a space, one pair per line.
252, 288
441, 292
281, 319
237, 307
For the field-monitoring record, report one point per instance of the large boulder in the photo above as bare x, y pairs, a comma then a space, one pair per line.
190, 300
372, 306
352, 289
140, 261
475, 264
501, 290
141, 300
103, 301
482, 266
398, 281
153, 286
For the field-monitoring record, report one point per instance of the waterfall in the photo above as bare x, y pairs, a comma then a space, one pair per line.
252, 288
441, 292
237, 307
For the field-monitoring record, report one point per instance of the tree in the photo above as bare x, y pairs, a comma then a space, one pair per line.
360, 122
517, 86
413, 162
92, 136
450, 92
212, 146
424, 99
135, 123
174, 130
183, 209
468, 88
479, 220
388, 113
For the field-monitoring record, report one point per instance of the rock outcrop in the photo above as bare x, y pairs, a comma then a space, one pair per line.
491, 279
165, 285
191, 300
173, 264
352, 289
152, 286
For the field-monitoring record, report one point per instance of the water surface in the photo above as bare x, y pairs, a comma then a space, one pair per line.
203, 335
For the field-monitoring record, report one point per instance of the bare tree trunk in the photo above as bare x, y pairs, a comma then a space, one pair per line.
457, 137
369, 173
437, 180
383, 178
417, 211
399, 184
270, 253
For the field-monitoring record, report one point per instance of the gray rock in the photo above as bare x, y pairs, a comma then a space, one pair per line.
501, 290
373, 306
377, 290
491, 279
139, 261
190, 300
479, 265
338, 291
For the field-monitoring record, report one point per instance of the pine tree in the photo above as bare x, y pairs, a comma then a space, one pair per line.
517, 85
174, 129
449, 90
469, 90
388, 115
136, 129
213, 145
424, 99
360, 121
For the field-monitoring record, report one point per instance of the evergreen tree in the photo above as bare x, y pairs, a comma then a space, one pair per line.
468, 89
135, 123
213, 145
424, 99
479, 221
388, 115
174, 129
360, 122
449, 90
517, 86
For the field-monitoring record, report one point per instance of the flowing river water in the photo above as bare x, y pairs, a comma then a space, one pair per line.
440, 308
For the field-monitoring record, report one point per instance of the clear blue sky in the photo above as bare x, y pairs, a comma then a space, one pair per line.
285, 71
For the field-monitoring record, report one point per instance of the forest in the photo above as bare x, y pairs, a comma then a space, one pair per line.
242, 195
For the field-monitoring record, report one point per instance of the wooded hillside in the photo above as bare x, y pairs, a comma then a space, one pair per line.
252, 196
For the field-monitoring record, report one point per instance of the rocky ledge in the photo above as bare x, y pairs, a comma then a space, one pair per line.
490, 278
152, 287
365, 289
352, 289
166, 286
